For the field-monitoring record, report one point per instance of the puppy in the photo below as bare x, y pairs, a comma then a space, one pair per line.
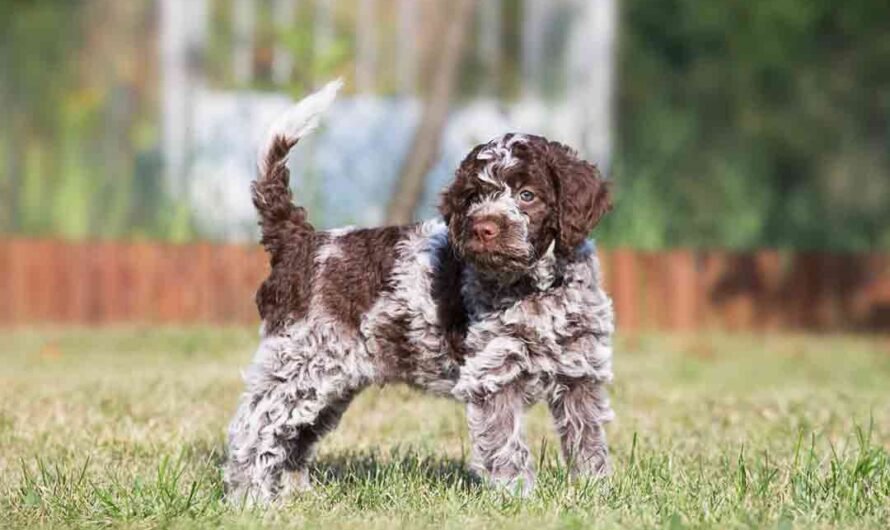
498, 305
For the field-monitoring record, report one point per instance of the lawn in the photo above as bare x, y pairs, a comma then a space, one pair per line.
125, 428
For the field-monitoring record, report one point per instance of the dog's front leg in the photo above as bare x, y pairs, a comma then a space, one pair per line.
580, 407
500, 453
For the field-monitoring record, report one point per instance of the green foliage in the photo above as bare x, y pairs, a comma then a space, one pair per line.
739, 124
74, 144
764, 122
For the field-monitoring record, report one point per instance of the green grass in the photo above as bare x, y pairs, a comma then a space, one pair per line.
124, 428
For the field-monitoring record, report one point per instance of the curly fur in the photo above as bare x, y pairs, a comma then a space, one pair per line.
496, 322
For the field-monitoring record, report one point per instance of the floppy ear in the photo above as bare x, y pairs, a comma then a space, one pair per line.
582, 196
452, 198
449, 200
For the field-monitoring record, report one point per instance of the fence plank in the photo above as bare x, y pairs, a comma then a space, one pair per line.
58, 293
165, 287
224, 271
107, 282
127, 277
877, 317
257, 270
107, 267
681, 285
731, 285
771, 274
801, 281
39, 290
91, 286
37, 284
625, 289
6, 309
205, 276
18, 278
654, 292
75, 283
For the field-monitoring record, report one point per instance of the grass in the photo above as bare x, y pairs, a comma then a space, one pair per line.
124, 428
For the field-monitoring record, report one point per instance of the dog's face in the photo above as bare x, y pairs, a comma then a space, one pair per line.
517, 195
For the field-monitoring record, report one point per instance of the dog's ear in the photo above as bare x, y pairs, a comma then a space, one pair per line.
449, 201
452, 198
583, 196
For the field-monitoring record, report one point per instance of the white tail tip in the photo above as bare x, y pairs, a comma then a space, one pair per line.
300, 119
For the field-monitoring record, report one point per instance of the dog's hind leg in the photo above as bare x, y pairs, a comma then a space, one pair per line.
580, 407
301, 448
272, 435
500, 453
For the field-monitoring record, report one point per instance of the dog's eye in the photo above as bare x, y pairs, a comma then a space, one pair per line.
526, 196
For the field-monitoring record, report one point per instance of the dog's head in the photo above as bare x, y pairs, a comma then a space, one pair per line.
517, 195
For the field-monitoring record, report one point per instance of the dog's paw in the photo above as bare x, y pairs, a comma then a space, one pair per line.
246, 498
295, 483
597, 469
521, 486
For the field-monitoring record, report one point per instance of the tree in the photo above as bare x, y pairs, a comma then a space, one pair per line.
425, 145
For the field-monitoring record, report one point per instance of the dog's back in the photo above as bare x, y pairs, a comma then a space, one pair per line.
344, 277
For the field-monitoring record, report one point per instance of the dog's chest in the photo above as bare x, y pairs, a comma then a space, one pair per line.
534, 339
543, 322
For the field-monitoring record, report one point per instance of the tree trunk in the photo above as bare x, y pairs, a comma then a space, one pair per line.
11, 187
245, 40
425, 146
490, 52
285, 13
11, 148
366, 52
406, 52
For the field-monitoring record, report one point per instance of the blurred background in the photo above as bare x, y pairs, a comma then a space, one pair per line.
749, 143
748, 254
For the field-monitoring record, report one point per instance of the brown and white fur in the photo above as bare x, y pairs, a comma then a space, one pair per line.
499, 305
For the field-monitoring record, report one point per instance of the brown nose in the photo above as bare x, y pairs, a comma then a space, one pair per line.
485, 230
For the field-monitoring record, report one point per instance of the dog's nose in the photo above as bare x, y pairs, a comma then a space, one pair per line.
485, 230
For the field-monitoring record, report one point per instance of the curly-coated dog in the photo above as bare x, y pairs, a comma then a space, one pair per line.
499, 305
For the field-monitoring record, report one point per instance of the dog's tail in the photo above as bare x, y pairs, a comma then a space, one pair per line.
280, 219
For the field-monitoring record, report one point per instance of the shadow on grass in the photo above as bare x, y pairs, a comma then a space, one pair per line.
355, 468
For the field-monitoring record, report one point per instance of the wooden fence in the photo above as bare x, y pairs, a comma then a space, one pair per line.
48, 281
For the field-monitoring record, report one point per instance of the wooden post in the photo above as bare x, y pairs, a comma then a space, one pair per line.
58, 284
204, 280
40, 294
625, 290
39, 274
5, 286
681, 287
